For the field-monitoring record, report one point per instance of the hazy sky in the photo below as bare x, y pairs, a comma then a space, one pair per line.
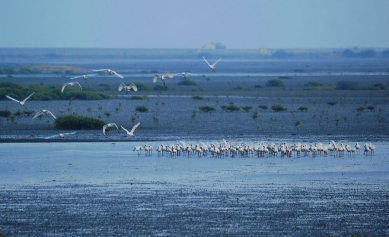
239, 24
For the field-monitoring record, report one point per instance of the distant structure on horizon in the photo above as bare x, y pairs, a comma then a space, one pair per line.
217, 45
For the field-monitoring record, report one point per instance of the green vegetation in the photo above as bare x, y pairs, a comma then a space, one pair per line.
257, 86
255, 115
231, 107
332, 103
303, 108
346, 85
43, 92
138, 97
313, 84
278, 108
263, 106
5, 113
246, 108
370, 107
275, 82
78, 122
360, 109
23, 112
142, 86
160, 87
206, 109
197, 97
186, 82
141, 108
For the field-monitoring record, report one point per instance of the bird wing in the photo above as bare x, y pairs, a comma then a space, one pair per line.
76, 82
28, 97
121, 86
168, 74
63, 87
216, 62
114, 124
117, 74
104, 127
207, 44
69, 133
51, 114
9, 97
135, 126
133, 86
38, 114
124, 129
155, 78
206, 61
100, 70
91, 75
51, 136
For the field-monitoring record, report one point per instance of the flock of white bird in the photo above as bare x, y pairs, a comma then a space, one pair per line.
122, 86
260, 149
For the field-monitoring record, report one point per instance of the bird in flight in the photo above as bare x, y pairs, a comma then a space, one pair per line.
109, 71
61, 135
20, 102
131, 133
70, 84
84, 76
127, 88
165, 74
184, 74
44, 111
212, 67
109, 125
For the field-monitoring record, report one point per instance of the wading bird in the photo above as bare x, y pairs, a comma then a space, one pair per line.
61, 135
109, 125
109, 71
70, 84
212, 67
84, 76
44, 111
131, 133
165, 74
20, 102
127, 88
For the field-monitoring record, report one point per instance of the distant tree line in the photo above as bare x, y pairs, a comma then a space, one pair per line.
366, 53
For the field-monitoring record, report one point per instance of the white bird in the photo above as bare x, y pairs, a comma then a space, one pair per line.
61, 135
70, 84
44, 111
20, 102
127, 88
212, 67
156, 76
109, 125
184, 74
131, 133
84, 76
109, 71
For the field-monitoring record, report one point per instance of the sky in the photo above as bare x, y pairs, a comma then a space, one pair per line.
239, 24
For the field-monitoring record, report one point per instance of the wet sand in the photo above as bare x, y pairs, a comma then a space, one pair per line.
89, 189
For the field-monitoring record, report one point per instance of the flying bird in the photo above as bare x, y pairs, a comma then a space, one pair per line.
212, 67
184, 74
61, 135
109, 125
127, 88
84, 76
109, 71
70, 84
20, 102
44, 111
131, 133
165, 74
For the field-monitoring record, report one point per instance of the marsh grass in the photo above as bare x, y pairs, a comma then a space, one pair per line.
78, 122
231, 107
141, 108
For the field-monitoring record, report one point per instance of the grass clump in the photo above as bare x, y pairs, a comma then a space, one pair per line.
141, 108
186, 82
160, 88
231, 107
197, 97
78, 122
313, 84
5, 113
332, 103
275, 82
206, 109
246, 108
141, 86
278, 108
138, 97
303, 108
263, 106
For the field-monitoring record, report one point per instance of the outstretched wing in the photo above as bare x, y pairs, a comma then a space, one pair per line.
63, 87
121, 86
28, 97
70, 133
51, 114
117, 74
104, 127
207, 44
51, 136
38, 114
135, 126
75, 77
76, 82
133, 86
216, 62
124, 129
100, 70
206, 61
168, 74
155, 78
9, 97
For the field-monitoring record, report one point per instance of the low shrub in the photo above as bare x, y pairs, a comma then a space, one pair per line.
138, 97
206, 109
160, 88
141, 108
78, 122
278, 108
263, 106
5, 113
303, 108
313, 84
141, 86
275, 82
186, 82
246, 108
231, 107
197, 97
332, 103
